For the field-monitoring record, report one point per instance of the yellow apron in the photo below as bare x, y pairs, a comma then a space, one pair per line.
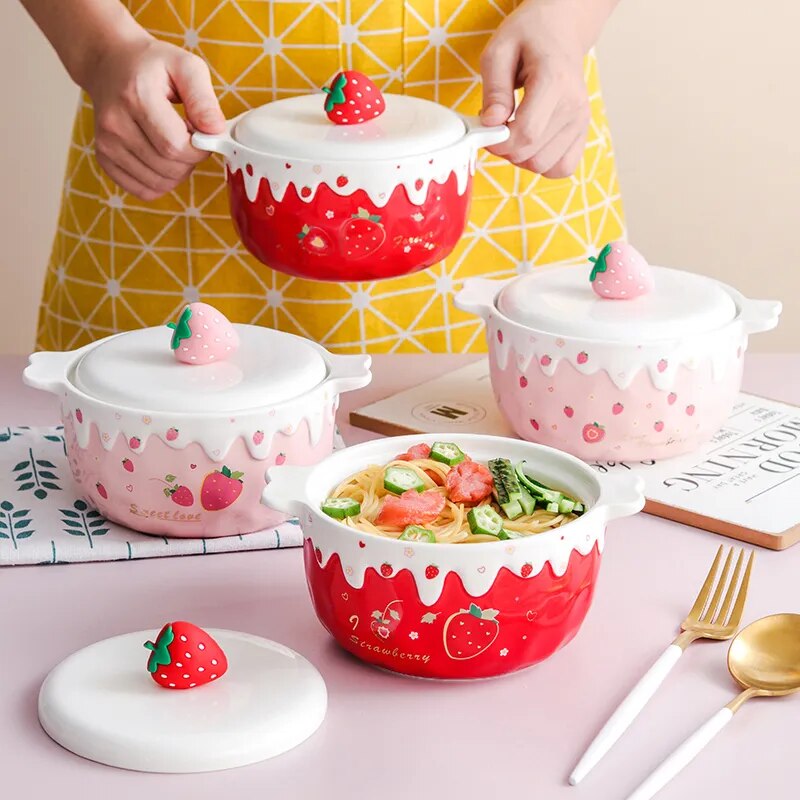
119, 263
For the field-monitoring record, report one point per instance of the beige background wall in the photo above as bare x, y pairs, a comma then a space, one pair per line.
703, 101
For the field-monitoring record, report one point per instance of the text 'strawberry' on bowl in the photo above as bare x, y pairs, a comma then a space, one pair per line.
454, 611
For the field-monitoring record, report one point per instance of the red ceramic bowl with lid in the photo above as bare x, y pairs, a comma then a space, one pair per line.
380, 199
647, 377
413, 607
180, 449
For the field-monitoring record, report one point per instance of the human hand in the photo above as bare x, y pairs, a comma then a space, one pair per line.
540, 48
141, 140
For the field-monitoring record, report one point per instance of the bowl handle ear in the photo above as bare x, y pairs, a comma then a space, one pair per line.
621, 496
48, 370
760, 315
477, 296
348, 373
286, 489
484, 135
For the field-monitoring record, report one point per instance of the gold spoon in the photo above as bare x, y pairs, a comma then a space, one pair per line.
764, 660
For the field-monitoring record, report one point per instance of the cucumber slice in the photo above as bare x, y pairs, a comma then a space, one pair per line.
400, 479
416, 533
538, 490
565, 505
447, 453
512, 509
528, 503
552, 508
485, 520
513, 534
579, 509
341, 507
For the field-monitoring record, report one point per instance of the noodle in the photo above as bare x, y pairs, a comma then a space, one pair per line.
451, 526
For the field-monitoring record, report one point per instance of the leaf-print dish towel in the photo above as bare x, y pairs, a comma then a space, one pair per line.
44, 520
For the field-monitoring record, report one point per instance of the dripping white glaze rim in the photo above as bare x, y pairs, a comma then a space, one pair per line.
300, 490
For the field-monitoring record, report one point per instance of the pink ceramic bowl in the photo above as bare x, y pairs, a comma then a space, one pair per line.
413, 607
167, 448
641, 379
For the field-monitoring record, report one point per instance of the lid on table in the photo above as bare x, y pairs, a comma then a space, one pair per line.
298, 127
138, 370
562, 302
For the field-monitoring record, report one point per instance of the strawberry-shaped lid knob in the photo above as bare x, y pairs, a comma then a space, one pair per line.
352, 98
184, 656
202, 335
620, 272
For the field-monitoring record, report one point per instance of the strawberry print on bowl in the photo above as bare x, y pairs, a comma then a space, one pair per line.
452, 611
174, 442
345, 188
610, 366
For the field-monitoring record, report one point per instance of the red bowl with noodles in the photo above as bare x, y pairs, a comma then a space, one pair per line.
482, 598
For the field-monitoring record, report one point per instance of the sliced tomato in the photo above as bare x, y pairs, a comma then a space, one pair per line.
415, 453
411, 508
469, 482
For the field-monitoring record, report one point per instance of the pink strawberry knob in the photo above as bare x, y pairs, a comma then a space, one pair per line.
620, 272
352, 98
202, 335
184, 656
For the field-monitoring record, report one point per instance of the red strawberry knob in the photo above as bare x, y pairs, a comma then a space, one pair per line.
184, 656
202, 335
352, 98
620, 272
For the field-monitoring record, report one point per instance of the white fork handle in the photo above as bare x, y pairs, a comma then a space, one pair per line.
680, 757
626, 713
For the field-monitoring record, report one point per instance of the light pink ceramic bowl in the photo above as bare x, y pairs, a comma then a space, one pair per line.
619, 380
174, 449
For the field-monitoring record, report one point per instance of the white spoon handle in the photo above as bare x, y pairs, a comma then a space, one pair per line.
680, 757
626, 713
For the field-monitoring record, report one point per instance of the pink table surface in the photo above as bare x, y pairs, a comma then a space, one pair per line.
397, 738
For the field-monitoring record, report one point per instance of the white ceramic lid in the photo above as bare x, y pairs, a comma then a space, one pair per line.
298, 127
560, 301
100, 703
138, 370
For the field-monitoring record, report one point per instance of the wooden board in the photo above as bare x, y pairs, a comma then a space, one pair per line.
741, 485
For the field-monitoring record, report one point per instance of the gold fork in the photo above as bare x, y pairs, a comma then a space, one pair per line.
706, 620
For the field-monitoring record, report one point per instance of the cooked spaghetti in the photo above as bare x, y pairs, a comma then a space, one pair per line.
418, 496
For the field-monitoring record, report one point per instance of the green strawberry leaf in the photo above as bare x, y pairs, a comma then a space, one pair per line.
166, 492
226, 472
335, 93
475, 611
181, 330
169, 478
599, 263
160, 655
237, 476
